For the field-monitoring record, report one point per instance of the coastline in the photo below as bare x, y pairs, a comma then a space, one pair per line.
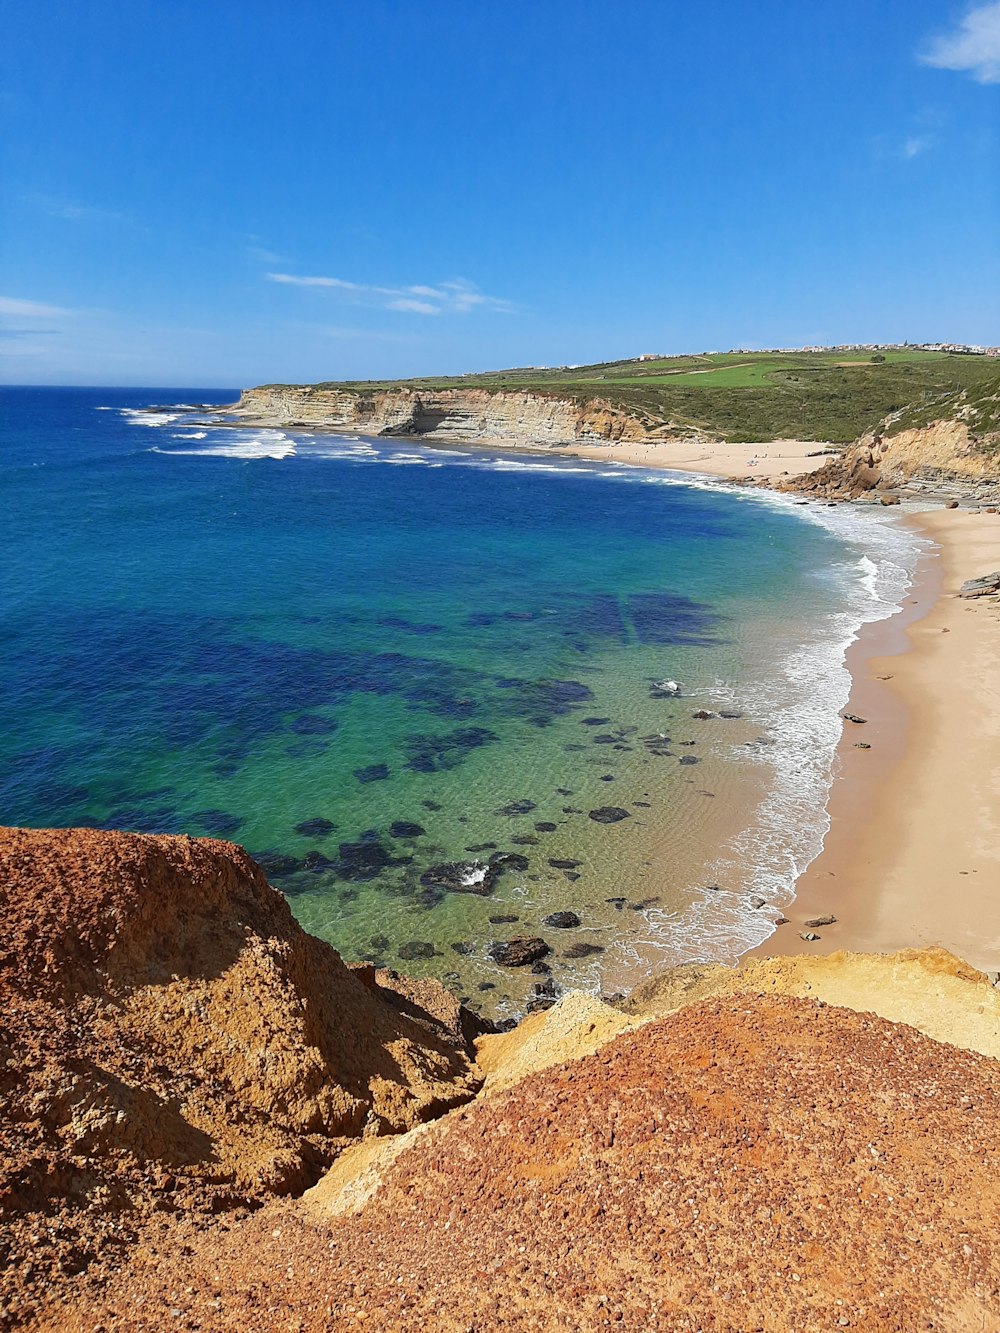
913, 847
912, 855
912, 858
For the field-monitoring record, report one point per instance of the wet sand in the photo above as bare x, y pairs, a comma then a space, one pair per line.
913, 853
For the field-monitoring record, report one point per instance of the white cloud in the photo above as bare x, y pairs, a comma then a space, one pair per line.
914, 146
454, 297
294, 281
415, 307
71, 210
12, 305
973, 47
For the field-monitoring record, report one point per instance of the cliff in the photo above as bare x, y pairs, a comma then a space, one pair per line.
173, 1042
442, 414
954, 440
750, 1162
732, 1149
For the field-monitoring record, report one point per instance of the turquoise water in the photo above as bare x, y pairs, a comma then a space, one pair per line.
360, 659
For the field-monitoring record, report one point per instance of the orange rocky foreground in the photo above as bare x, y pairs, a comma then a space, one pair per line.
172, 1043
747, 1162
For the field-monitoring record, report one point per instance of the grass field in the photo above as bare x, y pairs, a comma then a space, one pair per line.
751, 396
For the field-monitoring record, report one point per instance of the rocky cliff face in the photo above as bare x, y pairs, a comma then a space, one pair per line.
736, 1150
750, 1162
960, 445
172, 1041
446, 414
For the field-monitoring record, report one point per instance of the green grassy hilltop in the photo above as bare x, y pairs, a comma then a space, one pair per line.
750, 396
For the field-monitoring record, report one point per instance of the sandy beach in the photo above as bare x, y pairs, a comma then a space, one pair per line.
913, 853
755, 461
912, 857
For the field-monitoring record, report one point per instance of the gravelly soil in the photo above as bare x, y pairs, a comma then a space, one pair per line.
746, 1164
173, 1043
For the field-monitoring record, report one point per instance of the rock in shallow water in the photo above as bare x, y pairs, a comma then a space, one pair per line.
519, 952
404, 828
415, 949
315, 828
609, 814
582, 949
562, 920
521, 807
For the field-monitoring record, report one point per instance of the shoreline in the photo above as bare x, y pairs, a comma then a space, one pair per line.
911, 858
912, 852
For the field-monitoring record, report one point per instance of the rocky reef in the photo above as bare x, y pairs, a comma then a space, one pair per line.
212, 1123
441, 414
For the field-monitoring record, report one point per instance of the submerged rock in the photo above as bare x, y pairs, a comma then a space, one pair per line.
316, 861
583, 949
562, 920
509, 861
373, 773
315, 828
276, 863
361, 860
609, 814
219, 822
403, 828
310, 724
513, 808
415, 949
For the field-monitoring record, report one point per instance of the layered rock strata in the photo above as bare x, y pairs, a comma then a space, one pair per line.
441, 414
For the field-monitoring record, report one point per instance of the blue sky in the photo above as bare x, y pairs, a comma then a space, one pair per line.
235, 192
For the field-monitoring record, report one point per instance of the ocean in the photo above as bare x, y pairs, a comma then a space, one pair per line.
426, 686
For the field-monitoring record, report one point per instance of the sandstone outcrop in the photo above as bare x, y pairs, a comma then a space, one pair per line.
930, 989
442, 414
172, 1041
960, 446
747, 1163
740, 1149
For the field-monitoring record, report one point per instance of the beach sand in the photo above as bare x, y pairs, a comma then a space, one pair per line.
912, 857
913, 853
754, 461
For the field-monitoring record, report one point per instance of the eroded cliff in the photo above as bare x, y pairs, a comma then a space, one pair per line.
443, 414
957, 440
735, 1149
173, 1042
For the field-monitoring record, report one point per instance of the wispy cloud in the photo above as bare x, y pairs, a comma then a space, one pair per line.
259, 254
456, 297
914, 146
20, 309
71, 210
415, 307
971, 48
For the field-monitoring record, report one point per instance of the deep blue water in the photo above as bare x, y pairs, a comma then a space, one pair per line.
236, 632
